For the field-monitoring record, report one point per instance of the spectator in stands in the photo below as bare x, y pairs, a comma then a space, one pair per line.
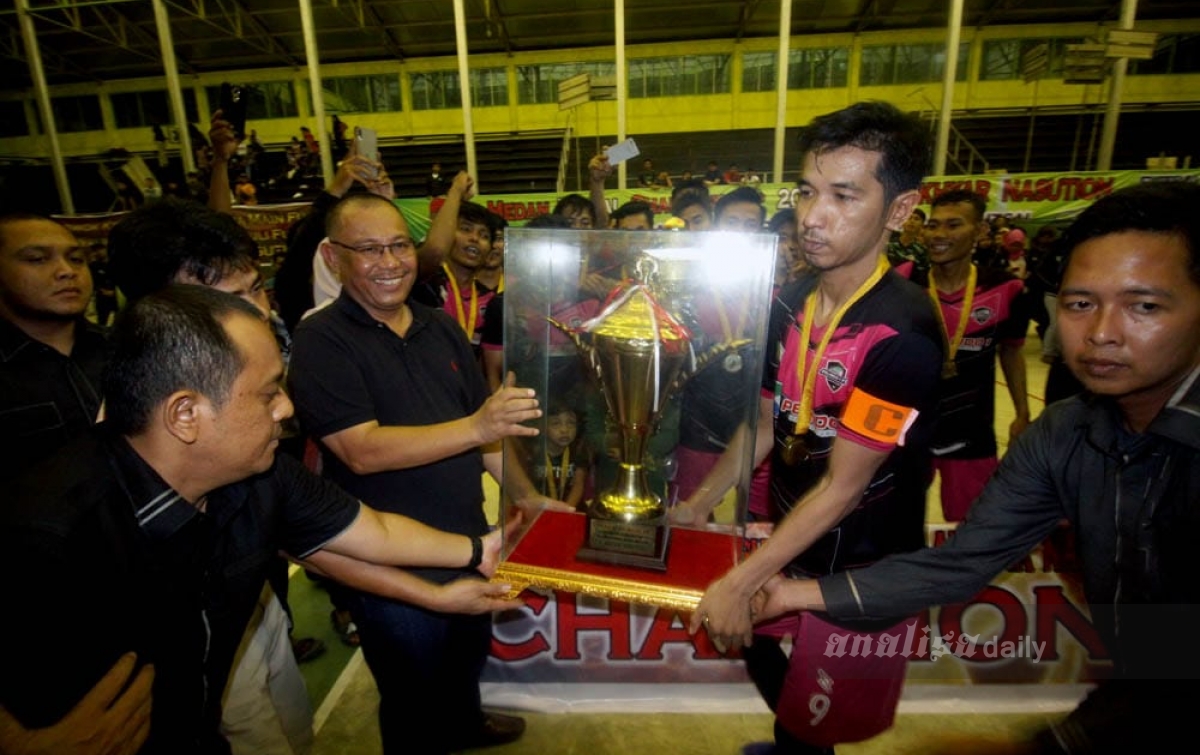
578, 209
491, 273
646, 178
908, 245
789, 261
693, 206
340, 143
663, 180
752, 177
740, 210
733, 175
106, 291
436, 184
492, 334
1014, 248
245, 191
714, 397
453, 286
713, 176
633, 216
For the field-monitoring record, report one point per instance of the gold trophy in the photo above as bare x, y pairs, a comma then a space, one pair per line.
637, 351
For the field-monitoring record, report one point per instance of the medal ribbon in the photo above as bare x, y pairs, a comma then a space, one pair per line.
952, 343
741, 326
551, 480
808, 378
465, 322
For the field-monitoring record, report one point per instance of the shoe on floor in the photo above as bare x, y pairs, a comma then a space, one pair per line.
496, 729
307, 648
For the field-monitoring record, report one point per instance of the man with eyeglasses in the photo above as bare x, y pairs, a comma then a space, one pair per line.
390, 389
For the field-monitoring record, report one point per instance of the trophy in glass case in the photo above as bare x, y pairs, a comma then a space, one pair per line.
642, 336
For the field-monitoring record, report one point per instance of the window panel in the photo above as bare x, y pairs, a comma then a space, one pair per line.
908, 64
268, 99
73, 114
12, 118
362, 94
436, 90
677, 77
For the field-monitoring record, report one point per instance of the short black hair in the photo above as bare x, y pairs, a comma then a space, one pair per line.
476, 213
780, 220
688, 196
549, 221
961, 196
166, 341
630, 209
8, 218
741, 195
1168, 207
333, 218
151, 246
577, 202
900, 138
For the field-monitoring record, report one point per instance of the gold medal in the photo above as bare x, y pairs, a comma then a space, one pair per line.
952, 342
733, 363
793, 450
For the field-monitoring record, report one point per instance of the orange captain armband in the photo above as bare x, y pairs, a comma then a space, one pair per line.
876, 419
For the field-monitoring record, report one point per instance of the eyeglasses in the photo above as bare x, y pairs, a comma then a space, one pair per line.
374, 252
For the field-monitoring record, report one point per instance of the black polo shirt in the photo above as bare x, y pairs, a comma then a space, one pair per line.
104, 558
348, 368
46, 398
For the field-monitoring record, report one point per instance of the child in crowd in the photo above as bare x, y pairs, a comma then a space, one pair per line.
563, 472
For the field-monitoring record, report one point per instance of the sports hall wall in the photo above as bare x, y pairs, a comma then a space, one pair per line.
736, 109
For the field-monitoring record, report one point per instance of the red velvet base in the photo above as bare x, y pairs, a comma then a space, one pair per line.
696, 557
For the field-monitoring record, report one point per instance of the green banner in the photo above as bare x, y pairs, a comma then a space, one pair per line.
1028, 198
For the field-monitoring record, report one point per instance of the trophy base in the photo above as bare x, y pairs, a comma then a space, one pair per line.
639, 544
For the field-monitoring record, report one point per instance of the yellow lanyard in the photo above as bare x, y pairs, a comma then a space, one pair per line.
500, 285
725, 328
467, 323
952, 343
808, 379
564, 467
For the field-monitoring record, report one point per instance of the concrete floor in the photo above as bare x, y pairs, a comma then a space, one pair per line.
346, 700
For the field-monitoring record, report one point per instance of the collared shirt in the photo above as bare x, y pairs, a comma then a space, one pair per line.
112, 560
46, 398
348, 369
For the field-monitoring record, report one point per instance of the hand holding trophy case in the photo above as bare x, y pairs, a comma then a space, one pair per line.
647, 346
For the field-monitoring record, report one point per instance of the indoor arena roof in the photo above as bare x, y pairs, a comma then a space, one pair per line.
101, 40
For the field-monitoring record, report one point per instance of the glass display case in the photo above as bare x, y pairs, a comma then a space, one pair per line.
645, 349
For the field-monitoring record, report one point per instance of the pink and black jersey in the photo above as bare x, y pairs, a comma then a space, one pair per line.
880, 369
967, 401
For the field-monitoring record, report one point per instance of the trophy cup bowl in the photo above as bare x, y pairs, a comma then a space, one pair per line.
636, 351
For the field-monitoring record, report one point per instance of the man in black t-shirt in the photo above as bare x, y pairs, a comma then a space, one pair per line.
390, 388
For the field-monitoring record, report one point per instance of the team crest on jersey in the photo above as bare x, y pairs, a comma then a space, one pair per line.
981, 314
834, 373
